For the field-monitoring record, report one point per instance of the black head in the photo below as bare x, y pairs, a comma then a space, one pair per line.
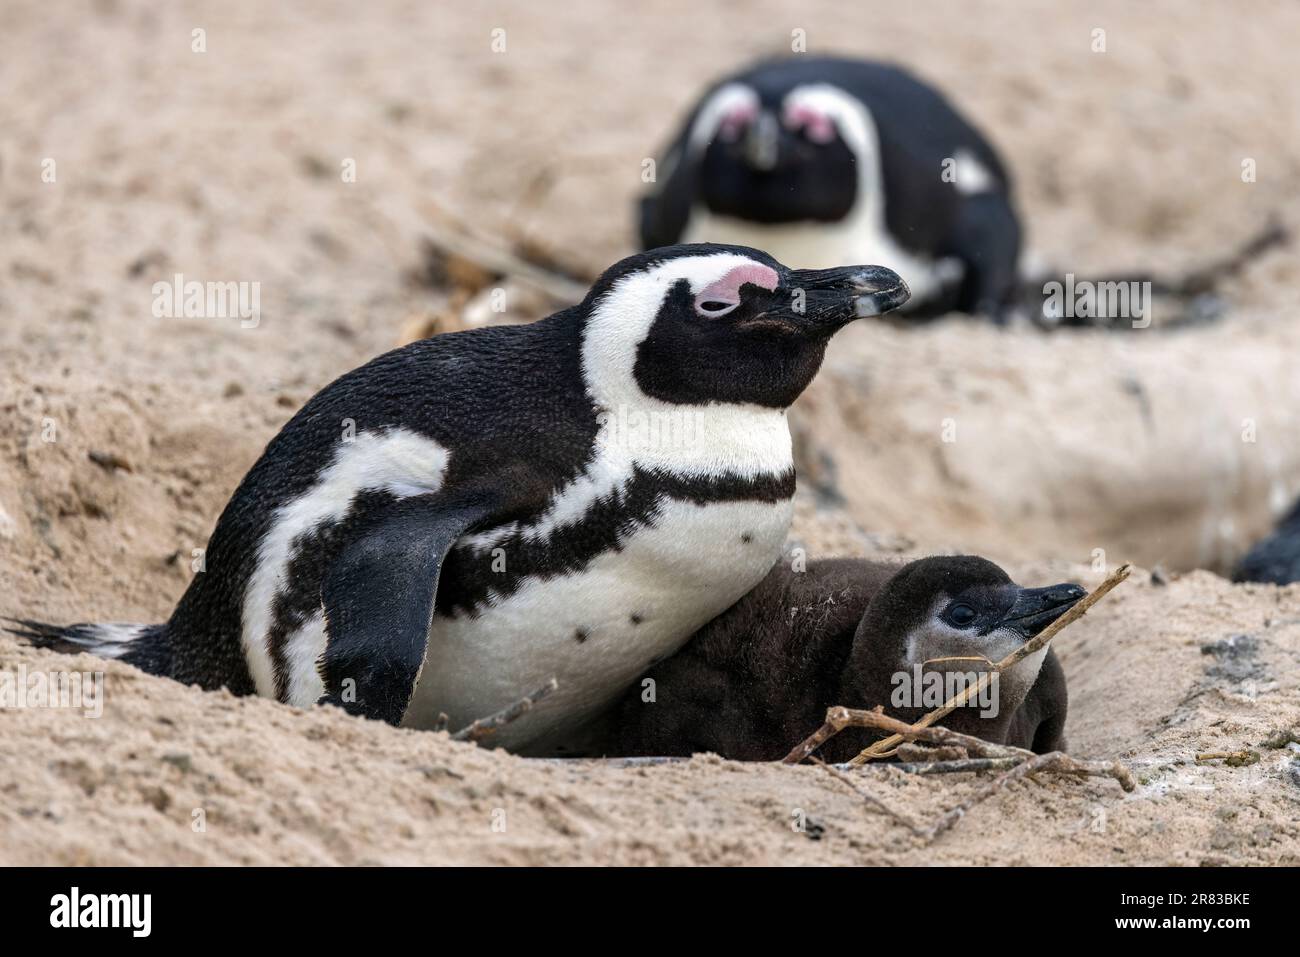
956, 614
705, 323
959, 604
785, 141
776, 154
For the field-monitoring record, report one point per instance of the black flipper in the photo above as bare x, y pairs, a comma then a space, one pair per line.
378, 596
666, 209
986, 237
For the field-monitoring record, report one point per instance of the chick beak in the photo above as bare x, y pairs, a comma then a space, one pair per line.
1036, 608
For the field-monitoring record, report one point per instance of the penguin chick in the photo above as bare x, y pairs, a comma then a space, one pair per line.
758, 679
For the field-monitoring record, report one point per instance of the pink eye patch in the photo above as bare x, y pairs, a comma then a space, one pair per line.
723, 295
736, 120
819, 127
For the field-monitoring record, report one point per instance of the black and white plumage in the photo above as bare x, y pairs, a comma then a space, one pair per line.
822, 160
758, 679
449, 526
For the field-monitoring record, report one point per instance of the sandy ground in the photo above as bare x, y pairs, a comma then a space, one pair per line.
225, 165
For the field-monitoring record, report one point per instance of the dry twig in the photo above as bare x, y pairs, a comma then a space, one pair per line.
455, 237
869, 797
959, 766
839, 718
1055, 761
485, 727
1017, 763
1233, 759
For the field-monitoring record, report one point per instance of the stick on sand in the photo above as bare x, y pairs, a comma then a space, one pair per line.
449, 234
1015, 763
485, 727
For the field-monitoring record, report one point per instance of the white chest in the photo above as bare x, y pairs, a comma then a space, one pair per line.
597, 630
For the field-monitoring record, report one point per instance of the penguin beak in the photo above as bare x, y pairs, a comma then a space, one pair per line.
831, 298
762, 147
1036, 608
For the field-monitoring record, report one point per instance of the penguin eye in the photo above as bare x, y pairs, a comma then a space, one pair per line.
960, 615
714, 307
813, 125
735, 121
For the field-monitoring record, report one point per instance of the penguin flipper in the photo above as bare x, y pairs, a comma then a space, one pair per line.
378, 597
665, 211
986, 237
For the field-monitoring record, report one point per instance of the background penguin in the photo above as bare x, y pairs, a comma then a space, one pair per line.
1276, 558
822, 160
572, 498
758, 679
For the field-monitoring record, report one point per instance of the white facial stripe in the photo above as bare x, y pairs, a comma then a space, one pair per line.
397, 461
636, 430
731, 97
622, 318
858, 131
800, 115
851, 118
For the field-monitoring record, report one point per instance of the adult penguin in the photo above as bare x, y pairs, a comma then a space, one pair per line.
454, 523
824, 160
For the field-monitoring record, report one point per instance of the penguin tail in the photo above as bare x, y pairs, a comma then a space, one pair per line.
102, 640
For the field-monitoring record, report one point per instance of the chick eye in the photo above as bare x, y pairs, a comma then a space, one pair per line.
961, 615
